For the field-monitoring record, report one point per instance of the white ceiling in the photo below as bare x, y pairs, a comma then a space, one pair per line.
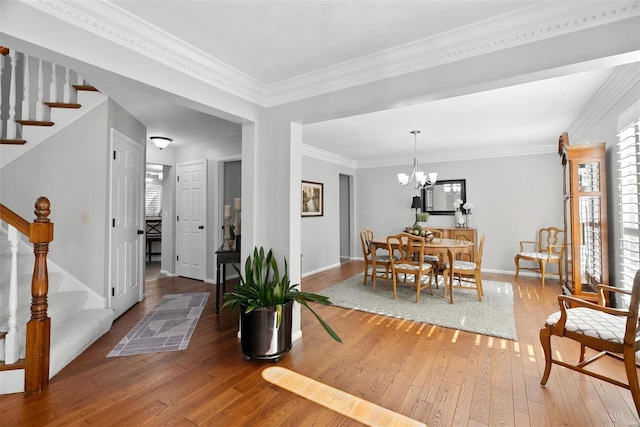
279, 43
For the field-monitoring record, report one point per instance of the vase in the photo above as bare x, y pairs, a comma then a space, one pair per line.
469, 220
460, 220
260, 337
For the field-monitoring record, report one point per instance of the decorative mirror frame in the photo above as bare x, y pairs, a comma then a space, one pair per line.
440, 184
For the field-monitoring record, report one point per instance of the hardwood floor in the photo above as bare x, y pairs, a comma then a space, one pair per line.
438, 376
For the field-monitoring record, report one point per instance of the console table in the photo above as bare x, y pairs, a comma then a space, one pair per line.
224, 257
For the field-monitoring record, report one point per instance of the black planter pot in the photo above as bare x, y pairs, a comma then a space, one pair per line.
259, 336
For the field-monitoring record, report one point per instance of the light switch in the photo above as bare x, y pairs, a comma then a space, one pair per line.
85, 217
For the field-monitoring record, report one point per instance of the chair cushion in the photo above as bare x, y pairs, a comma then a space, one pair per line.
412, 267
382, 258
538, 255
462, 265
433, 258
592, 323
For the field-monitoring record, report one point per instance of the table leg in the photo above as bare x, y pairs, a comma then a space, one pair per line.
373, 264
450, 255
218, 289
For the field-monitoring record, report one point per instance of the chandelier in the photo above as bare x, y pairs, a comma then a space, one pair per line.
417, 180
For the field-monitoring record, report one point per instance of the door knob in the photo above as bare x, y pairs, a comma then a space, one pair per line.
140, 232
201, 227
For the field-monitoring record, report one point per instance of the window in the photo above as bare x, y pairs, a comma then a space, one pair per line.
628, 189
153, 200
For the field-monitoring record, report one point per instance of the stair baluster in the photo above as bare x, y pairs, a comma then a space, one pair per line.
67, 86
26, 89
53, 87
12, 125
40, 101
11, 345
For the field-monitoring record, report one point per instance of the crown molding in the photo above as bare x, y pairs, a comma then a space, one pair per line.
327, 156
465, 155
617, 85
486, 37
526, 25
111, 22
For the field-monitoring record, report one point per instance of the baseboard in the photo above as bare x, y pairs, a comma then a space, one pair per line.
12, 381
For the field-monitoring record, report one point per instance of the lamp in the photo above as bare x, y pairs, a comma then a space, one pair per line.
418, 179
416, 203
161, 141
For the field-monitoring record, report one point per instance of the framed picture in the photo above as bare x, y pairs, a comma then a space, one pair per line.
312, 198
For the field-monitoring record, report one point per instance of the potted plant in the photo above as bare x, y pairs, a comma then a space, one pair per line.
266, 300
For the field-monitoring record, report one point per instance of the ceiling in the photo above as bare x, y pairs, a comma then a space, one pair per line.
276, 44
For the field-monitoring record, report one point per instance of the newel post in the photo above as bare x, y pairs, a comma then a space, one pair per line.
39, 326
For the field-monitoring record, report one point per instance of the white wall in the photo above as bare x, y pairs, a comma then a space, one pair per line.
320, 235
513, 198
71, 170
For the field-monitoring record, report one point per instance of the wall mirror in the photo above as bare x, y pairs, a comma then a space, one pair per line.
438, 200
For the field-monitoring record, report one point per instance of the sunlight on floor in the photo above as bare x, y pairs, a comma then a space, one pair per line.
336, 400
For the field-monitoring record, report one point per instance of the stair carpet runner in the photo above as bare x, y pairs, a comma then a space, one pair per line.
73, 327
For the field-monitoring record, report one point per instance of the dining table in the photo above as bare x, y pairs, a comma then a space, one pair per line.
449, 248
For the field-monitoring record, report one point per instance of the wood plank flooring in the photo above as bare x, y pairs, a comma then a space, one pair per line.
438, 376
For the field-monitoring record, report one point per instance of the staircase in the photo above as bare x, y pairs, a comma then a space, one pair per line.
47, 317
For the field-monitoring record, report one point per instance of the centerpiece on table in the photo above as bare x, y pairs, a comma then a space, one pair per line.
266, 301
459, 214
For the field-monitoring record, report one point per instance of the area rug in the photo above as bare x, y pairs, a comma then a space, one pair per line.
168, 327
492, 316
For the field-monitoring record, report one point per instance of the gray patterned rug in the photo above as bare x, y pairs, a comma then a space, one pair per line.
491, 316
167, 327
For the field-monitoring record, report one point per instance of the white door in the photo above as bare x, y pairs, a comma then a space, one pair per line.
126, 239
191, 214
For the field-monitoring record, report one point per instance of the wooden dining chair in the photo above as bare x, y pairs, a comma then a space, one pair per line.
383, 264
469, 274
609, 331
547, 250
408, 260
434, 259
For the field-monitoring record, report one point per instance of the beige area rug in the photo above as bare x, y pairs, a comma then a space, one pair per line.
168, 327
492, 316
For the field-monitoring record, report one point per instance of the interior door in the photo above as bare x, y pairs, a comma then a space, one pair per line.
191, 214
126, 240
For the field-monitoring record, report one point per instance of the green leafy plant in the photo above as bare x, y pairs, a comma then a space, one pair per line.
262, 286
422, 216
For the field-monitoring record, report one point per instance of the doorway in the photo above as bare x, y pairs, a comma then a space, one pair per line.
345, 218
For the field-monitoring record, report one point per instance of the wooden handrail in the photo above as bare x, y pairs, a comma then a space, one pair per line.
12, 218
38, 332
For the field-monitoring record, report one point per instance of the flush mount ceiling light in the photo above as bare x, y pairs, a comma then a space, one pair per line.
161, 141
417, 180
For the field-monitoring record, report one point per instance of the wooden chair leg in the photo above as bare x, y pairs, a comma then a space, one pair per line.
583, 353
394, 284
632, 374
545, 340
542, 268
517, 261
366, 273
478, 286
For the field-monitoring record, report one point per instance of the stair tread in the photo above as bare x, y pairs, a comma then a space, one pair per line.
86, 87
34, 123
62, 105
18, 365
